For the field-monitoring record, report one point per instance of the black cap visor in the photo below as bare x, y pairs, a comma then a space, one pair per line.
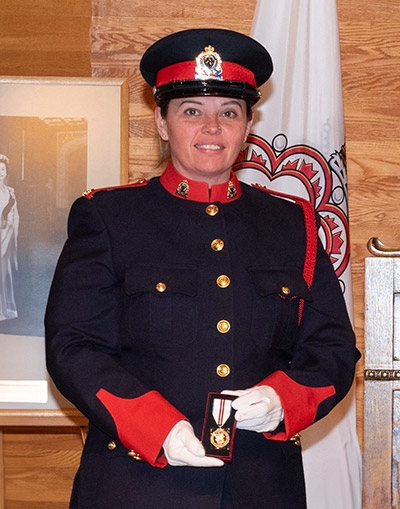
236, 89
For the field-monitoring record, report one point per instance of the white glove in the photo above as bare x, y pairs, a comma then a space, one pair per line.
257, 409
183, 448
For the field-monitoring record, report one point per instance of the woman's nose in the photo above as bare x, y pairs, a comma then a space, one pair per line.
211, 125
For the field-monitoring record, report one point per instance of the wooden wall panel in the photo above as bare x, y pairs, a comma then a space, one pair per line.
370, 48
40, 465
45, 38
48, 37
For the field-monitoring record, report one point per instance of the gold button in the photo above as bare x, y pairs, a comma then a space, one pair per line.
212, 210
223, 281
161, 287
134, 455
223, 370
217, 245
111, 445
285, 290
223, 326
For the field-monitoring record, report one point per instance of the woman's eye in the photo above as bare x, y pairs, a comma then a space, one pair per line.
191, 112
229, 114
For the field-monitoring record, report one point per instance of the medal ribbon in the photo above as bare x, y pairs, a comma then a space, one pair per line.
221, 410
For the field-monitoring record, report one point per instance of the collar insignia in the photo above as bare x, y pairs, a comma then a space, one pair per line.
232, 191
183, 188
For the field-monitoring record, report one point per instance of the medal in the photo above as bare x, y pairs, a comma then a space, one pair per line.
219, 426
221, 411
220, 437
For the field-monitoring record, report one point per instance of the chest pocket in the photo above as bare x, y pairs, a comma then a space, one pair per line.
162, 310
275, 310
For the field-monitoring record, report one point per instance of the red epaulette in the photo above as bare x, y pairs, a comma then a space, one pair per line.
311, 237
91, 192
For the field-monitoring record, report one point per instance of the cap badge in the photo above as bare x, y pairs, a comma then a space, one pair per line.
208, 65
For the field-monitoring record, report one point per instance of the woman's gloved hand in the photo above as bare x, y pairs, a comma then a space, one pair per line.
183, 448
257, 409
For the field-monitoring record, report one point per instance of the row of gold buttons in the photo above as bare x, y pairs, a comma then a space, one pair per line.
223, 281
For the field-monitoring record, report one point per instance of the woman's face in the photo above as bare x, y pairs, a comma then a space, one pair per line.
3, 171
205, 135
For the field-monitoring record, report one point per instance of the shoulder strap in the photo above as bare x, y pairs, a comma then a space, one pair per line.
311, 237
91, 192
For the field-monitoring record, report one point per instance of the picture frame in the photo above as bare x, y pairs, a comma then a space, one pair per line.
58, 138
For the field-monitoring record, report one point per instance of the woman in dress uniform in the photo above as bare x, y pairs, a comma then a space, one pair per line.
190, 303
9, 223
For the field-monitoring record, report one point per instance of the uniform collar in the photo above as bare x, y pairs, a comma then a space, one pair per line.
188, 189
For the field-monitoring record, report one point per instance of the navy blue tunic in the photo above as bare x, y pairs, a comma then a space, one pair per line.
133, 339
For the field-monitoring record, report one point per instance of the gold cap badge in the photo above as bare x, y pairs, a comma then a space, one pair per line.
208, 65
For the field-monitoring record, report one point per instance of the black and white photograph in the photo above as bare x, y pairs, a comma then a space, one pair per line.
58, 138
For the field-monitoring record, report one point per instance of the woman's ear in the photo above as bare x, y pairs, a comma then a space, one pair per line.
249, 125
161, 124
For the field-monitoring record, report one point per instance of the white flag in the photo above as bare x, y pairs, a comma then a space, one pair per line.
297, 146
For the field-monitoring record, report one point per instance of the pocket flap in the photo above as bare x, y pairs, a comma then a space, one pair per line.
287, 282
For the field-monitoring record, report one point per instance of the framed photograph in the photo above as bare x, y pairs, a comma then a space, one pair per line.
58, 138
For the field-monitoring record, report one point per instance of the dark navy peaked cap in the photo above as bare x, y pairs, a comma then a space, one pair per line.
206, 62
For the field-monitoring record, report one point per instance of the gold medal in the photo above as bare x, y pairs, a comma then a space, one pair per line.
220, 437
219, 426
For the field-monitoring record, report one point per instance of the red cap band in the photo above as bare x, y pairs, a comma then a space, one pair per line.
186, 71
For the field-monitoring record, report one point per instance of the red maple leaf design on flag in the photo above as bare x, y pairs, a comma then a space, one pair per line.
303, 171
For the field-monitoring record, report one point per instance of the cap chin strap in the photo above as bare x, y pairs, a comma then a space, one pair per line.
193, 88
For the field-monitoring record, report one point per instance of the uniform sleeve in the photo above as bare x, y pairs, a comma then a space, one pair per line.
322, 366
83, 342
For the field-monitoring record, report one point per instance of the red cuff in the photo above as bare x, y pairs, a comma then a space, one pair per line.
142, 423
299, 402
